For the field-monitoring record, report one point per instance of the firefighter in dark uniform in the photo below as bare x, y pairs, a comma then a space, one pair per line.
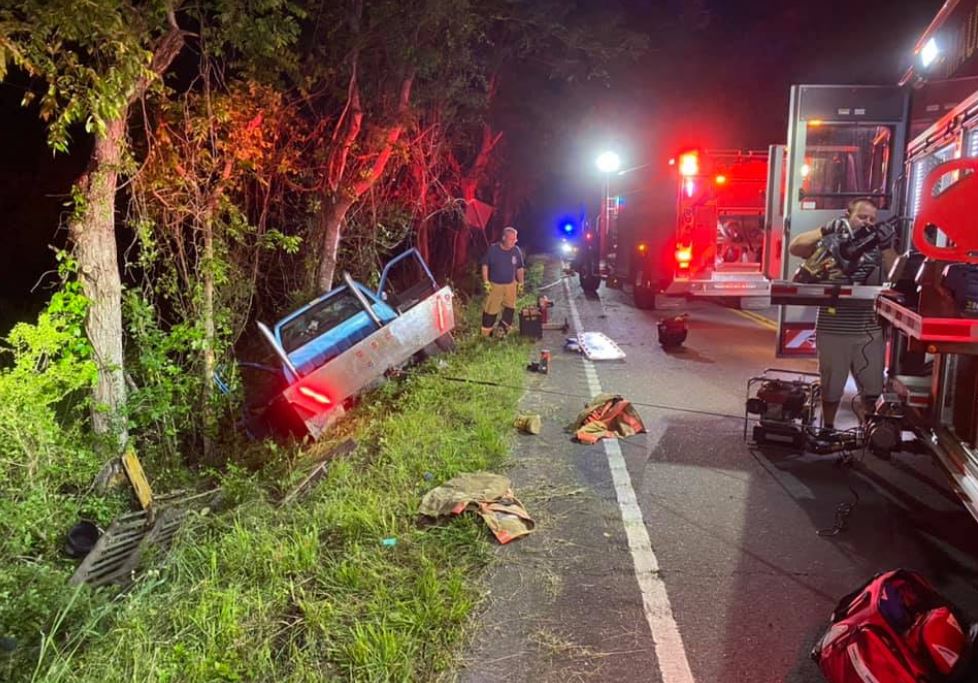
502, 278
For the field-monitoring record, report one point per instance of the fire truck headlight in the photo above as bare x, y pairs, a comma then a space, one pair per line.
566, 249
929, 52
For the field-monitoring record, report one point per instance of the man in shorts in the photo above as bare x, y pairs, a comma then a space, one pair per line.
502, 277
848, 335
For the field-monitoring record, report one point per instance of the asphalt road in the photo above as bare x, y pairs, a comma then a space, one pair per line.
733, 528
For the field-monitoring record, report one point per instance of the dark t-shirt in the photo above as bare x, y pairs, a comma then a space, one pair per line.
502, 264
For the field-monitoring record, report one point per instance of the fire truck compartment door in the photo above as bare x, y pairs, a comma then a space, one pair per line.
844, 142
774, 212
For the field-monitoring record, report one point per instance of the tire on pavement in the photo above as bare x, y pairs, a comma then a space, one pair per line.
644, 298
590, 283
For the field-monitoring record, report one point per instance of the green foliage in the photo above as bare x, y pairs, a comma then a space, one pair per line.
258, 35
163, 406
88, 56
371, 235
308, 592
45, 466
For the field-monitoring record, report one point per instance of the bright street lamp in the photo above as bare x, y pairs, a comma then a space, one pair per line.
608, 162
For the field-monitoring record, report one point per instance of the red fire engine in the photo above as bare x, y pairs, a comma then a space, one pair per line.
720, 223
718, 248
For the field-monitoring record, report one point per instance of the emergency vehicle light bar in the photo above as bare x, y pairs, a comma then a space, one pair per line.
926, 329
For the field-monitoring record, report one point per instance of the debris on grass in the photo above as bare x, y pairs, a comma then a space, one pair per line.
487, 494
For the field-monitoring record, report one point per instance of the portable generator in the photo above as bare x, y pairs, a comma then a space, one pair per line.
781, 406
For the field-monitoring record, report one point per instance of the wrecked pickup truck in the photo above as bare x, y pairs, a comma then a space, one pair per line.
343, 342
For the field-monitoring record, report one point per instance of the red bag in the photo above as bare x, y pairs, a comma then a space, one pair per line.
895, 629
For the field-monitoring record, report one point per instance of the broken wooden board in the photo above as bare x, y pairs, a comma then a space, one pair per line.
137, 477
319, 471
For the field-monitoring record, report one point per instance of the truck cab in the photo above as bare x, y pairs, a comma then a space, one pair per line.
326, 327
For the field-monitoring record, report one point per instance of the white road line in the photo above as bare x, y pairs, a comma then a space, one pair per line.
669, 650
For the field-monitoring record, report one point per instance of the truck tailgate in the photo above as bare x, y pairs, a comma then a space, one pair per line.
392, 345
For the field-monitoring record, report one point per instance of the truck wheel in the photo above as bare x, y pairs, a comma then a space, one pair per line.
644, 298
590, 283
446, 343
757, 433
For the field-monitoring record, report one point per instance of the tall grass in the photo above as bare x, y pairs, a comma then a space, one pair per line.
308, 592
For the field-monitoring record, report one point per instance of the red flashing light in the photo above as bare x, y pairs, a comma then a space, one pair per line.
689, 164
684, 254
721, 180
322, 399
587, 236
440, 315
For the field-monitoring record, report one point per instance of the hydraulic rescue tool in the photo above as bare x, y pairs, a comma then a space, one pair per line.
839, 254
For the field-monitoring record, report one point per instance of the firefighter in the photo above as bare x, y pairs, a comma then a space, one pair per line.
848, 335
502, 278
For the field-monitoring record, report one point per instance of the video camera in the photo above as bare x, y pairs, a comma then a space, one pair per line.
839, 254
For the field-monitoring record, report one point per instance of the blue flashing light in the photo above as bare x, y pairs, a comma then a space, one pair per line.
568, 228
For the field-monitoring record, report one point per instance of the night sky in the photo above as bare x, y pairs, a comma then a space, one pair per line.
716, 75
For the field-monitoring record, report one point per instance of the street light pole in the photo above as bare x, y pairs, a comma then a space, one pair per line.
608, 163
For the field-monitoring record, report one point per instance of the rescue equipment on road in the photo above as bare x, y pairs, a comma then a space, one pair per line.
894, 629
599, 346
782, 405
673, 331
606, 416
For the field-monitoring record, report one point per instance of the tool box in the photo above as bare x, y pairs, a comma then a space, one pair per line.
531, 322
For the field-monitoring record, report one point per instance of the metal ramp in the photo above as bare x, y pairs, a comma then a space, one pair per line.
130, 537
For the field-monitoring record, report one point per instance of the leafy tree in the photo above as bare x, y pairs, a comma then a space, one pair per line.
92, 62
199, 249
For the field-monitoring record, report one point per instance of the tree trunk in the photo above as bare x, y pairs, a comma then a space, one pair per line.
331, 218
93, 235
334, 211
210, 335
469, 184
421, 240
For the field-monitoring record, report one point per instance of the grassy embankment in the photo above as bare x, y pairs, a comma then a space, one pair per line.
309, 592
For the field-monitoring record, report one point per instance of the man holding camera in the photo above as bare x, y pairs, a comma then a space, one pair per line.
848, 335
502, 278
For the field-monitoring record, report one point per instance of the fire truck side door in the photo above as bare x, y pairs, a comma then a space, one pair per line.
774, 212
844, 142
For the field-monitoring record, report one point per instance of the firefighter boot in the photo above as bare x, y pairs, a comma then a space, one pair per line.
506, 320
488, 322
